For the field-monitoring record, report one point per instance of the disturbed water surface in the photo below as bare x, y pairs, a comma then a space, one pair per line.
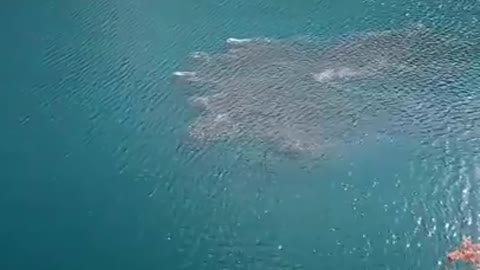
238, 135
307, 96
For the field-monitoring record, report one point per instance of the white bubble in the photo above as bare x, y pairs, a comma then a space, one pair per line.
184, 73
238, 40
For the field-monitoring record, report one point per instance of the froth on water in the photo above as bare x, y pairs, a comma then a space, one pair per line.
309, 96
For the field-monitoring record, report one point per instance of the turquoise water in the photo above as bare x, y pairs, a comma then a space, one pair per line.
96, 173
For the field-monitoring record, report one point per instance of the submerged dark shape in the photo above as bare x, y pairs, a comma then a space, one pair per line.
306, 95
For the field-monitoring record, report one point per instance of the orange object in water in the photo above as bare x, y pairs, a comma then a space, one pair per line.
468, 252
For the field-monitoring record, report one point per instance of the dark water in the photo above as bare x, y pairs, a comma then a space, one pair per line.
98, 171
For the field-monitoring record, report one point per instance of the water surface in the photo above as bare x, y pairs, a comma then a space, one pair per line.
99, 171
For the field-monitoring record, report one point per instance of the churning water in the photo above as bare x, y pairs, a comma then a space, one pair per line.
255, 134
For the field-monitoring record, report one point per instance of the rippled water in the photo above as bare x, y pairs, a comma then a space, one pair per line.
109, 161
307, 96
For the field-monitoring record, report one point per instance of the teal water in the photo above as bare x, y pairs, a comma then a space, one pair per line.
95, 175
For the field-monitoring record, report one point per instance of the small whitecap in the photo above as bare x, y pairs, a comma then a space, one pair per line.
236, 41
346, 72
324, 76
184, 74
200, 56
221, 117
419, 220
